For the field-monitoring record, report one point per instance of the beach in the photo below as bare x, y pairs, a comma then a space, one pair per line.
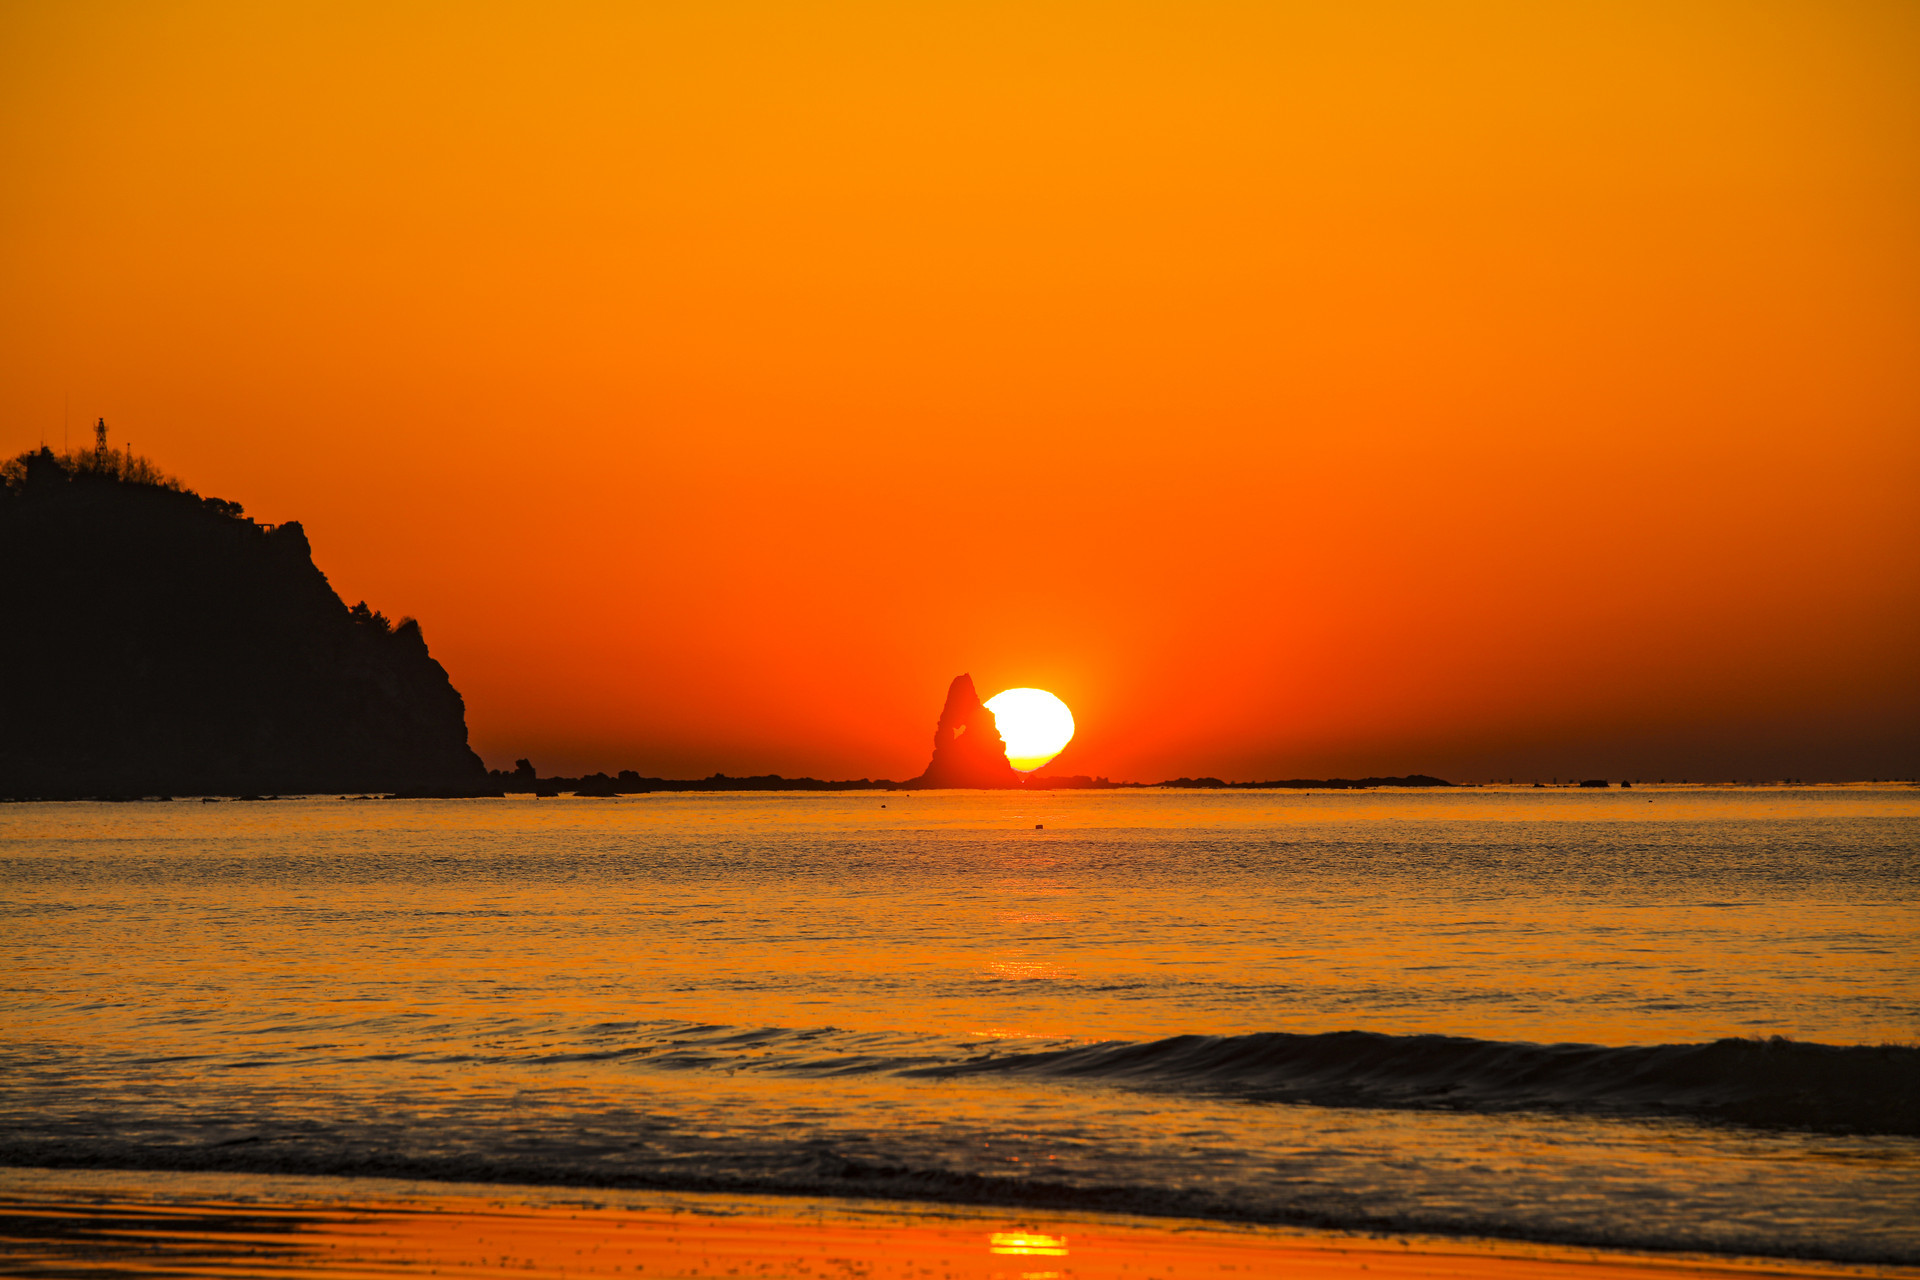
111, 1225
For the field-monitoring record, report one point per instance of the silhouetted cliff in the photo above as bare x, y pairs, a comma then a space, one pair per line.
159, 643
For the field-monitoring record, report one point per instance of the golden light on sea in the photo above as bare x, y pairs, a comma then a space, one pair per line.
1027, 1243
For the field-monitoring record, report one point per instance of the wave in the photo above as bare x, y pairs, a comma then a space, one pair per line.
1775, 1082
1768, 1083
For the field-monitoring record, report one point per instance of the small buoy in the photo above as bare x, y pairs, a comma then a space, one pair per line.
1039, 826
883, 806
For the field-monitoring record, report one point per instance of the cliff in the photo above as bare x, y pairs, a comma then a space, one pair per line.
968, 750
160, 643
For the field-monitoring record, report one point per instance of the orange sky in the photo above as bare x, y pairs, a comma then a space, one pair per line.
1479, 389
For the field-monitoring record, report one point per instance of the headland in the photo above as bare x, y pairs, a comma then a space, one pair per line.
162, 643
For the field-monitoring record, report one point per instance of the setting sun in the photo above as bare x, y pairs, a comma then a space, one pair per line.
1035, 724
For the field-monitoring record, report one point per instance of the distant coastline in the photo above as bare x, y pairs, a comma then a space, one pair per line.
173, 647
525, 780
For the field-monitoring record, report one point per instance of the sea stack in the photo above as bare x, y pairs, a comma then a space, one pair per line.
967, 748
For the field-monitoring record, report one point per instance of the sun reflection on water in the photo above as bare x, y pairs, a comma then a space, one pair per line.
1025, 970
1027, 1243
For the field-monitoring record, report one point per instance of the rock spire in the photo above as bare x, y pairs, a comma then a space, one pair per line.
967, 748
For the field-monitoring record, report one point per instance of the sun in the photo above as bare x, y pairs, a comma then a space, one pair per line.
1034, 723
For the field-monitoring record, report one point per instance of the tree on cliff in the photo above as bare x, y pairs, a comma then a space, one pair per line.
161, 643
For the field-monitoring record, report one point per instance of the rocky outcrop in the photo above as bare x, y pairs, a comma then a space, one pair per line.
156, 642
967, 748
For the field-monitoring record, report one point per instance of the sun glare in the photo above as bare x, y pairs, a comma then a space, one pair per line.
1028, 1242
1035, 724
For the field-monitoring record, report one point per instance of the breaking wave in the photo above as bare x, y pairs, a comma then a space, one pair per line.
1776, 1082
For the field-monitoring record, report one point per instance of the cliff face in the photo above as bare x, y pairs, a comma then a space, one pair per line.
158, 643
967, 748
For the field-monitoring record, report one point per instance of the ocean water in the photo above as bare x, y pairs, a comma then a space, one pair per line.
1664, 1018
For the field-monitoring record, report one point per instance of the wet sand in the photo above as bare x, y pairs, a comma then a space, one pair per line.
101, 1224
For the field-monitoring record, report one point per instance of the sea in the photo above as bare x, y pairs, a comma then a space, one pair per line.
1662, 1018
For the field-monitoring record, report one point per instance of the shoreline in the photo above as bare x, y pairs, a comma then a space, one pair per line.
109, 1222
797, 787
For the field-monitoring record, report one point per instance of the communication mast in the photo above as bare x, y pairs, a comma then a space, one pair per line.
100, 441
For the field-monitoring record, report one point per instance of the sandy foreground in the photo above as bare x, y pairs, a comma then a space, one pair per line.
64, 1223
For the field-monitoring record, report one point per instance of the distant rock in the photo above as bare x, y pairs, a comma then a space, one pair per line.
159, 643
967, 748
